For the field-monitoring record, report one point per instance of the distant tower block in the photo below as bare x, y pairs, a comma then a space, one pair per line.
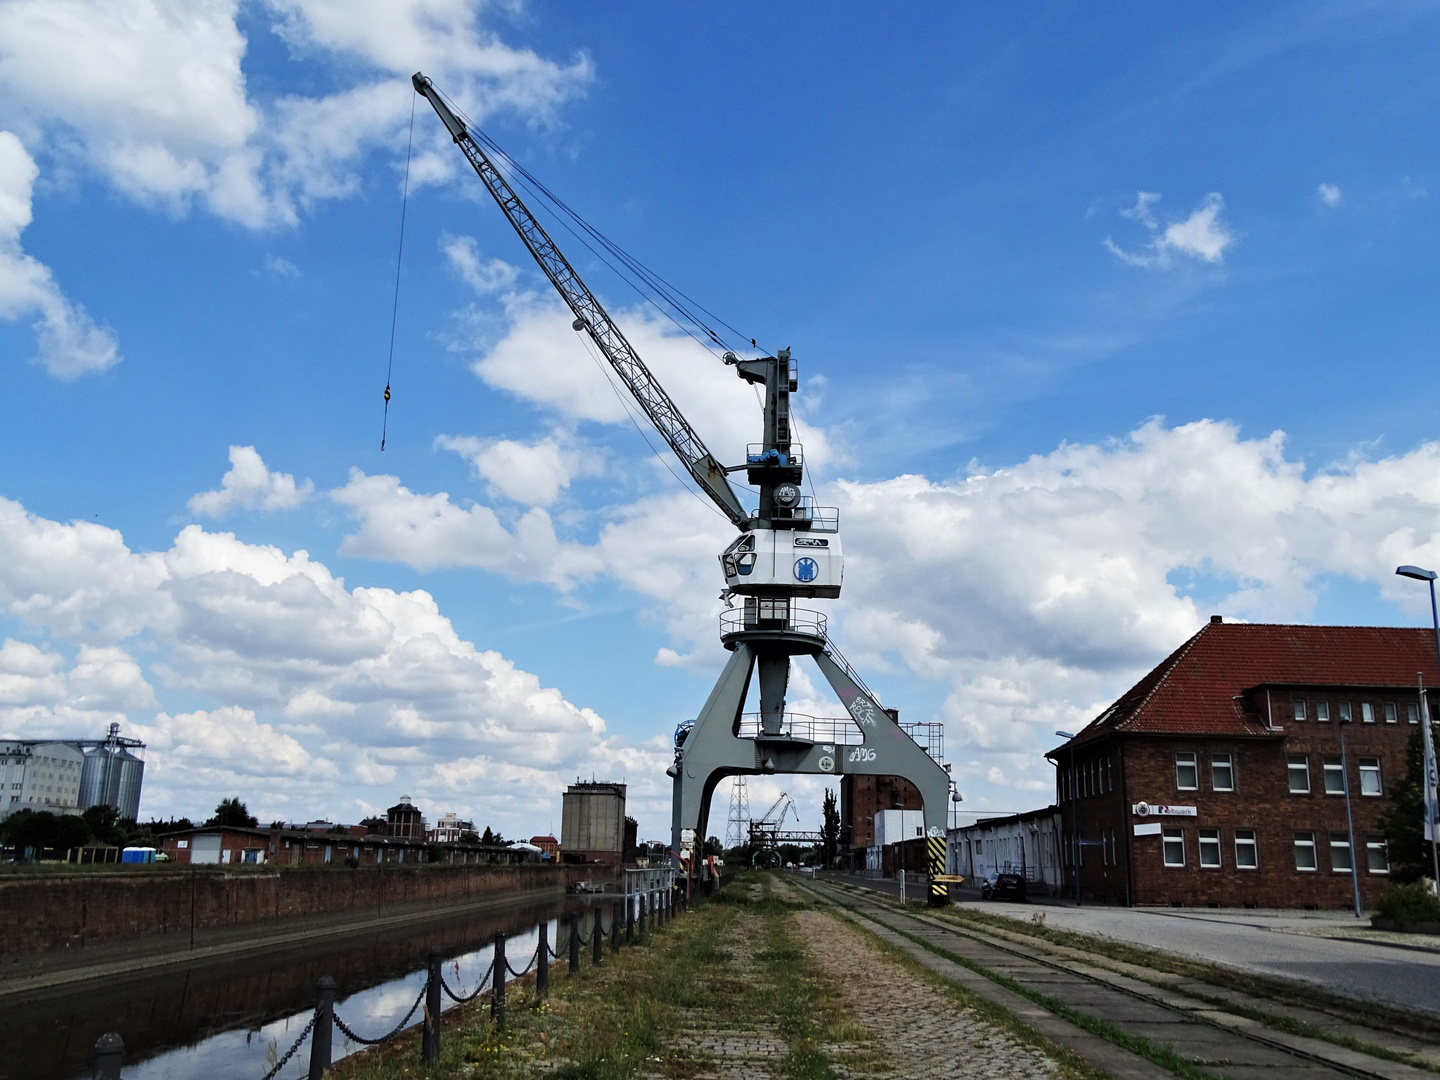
737, 831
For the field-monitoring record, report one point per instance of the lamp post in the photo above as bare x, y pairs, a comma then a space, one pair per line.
1432, 812
1074, 814
1349, 820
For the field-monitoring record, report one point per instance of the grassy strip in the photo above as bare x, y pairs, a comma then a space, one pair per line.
1070, 1065
603, 1024
1279, 990
1156, 1054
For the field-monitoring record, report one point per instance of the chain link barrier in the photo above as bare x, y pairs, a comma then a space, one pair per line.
345, 1029
291, 1052
479, 986
528, 964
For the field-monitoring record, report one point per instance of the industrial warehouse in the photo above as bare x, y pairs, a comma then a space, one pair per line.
66, 776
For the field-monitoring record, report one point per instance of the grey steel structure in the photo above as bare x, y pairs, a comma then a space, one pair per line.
788, 550
112, 775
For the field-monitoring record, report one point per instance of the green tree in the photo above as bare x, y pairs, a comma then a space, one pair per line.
103, 822
713, 846
233, 812
830, 829
1410, 857
489, 837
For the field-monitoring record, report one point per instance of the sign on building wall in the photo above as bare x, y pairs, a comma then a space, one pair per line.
1144, 809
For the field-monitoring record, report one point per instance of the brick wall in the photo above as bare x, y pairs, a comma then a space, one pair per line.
861, 796
1143, 770
63, 912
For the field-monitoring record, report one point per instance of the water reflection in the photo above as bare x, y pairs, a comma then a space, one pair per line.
230, 1021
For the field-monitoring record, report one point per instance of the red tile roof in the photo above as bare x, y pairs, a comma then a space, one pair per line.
1192, 690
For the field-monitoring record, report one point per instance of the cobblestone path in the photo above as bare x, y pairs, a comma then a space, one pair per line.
916, 1031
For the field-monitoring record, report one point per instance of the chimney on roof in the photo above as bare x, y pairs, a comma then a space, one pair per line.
1217, 618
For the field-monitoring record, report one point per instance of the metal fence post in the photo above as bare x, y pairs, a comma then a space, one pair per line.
542, 963
642, 898
107, 1057
629, 920
430, 1042
597, 939
324, 1027
574, 943
615, 928
497, 982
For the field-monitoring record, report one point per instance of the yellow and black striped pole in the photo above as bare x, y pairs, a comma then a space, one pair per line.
939, 890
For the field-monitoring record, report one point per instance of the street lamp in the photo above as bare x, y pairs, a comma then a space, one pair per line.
1074, 814
1349, 820
1432, 816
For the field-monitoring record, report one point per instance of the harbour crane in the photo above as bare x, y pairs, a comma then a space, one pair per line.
788, 549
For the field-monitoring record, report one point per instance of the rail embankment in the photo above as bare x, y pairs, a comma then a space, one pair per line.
81, 918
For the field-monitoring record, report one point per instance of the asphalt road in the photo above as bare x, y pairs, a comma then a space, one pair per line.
1330, 949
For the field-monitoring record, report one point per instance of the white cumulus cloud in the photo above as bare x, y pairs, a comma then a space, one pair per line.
153, 94
1201, 236
1329, 194
249, 485
70, 343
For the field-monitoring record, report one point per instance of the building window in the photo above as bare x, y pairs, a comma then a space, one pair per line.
1412, 712
1299, 708
1367, 712
1210, 848
1334, 777
1304, 851
1174, 844
1370, 776
1222, 773
1187, 772
1247, 852
1391, 713
1377, 855
1322, 711
1340, 853
1345, 712
1299, 769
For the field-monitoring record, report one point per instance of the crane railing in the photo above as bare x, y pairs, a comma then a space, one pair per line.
836, 730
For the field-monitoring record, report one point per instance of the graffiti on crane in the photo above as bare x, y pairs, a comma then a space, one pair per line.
860, 706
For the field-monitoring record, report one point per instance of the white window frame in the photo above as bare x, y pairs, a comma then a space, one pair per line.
1412, 712
1172, 835
1345, 711
1392, 713
1297, 763
1305, 842
1374, 844
1322, 711
1333, 766
1228, 766
1370, 782
1367, 712
1299, 708
1193, 764
1341, 842
1210, 844
1247, 845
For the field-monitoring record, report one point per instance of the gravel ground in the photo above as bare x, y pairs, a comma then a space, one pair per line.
915, 1030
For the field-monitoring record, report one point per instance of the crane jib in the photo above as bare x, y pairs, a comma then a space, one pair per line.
593, 318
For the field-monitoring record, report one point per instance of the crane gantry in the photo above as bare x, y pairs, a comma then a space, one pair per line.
788, 549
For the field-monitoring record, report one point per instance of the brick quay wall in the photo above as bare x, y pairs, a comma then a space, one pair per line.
50, 913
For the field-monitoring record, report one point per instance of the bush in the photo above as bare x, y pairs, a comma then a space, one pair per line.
1413, 903
351, 862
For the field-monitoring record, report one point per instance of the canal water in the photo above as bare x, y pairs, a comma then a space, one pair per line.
232, 1020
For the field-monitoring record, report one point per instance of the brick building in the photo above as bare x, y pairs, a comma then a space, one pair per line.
230, 845
862, 797
1217, 779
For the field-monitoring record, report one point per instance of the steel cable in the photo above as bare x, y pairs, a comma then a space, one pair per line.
345, 1030
291, 1052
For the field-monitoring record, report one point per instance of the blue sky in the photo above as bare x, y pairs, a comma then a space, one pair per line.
1106, 320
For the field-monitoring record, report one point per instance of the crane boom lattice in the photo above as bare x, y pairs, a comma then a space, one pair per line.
592, 317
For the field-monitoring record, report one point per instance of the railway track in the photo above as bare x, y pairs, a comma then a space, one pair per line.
1139, 1028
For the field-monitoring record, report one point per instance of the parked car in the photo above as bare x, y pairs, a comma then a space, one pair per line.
1003, 887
